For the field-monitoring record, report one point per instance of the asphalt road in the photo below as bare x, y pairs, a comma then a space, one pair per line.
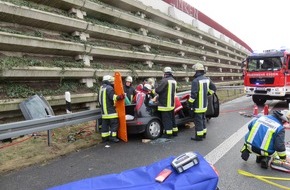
221, 148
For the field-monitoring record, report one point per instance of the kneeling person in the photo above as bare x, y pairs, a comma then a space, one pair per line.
266, 138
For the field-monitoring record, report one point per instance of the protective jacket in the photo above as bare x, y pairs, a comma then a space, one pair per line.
130, 92
266, 135
200, 87
166, 91
107, 98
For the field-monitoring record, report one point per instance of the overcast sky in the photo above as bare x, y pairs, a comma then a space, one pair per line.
262, 24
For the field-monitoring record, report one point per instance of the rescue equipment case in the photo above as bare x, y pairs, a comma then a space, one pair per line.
185, 161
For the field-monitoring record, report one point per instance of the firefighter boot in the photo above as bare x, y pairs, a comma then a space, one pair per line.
258, 159
265, 162
114, 139
175, 131
245, 154
196, 138
204, 135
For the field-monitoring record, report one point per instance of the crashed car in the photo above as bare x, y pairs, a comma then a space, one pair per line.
143, 117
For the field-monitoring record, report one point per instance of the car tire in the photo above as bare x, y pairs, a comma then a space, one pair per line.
258, 100
153, 129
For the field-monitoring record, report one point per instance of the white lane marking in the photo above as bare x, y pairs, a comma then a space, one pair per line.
225, 146
217, 153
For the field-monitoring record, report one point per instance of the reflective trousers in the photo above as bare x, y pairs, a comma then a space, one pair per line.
168, 121
199, 121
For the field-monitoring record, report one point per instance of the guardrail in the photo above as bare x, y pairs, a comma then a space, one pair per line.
16, 129
227, 88
230, 87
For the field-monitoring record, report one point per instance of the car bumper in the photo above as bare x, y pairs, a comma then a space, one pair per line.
138, 125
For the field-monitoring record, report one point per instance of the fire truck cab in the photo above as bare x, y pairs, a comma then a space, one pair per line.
267, 76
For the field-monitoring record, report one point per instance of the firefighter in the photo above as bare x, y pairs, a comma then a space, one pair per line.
166, 91
201, 86
129, 89
266, 138
110, 122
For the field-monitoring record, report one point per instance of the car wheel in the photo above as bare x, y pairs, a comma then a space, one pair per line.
153, 129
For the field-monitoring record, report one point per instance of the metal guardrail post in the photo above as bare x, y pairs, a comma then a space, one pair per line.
48, 137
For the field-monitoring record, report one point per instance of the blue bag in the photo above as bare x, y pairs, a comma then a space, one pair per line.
199, 177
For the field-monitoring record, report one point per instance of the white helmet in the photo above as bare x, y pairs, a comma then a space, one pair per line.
106, 77
198, 67
167, 70
147, 87
112, 79
129, 79
284, 115
151, 81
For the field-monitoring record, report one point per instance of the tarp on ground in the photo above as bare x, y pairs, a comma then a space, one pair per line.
199, 177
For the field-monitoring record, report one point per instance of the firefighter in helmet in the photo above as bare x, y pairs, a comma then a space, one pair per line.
129, 89
201, 86
110, 122
266, 138
166, 91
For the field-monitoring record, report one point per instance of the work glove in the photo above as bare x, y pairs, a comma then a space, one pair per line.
121, 97
245, 153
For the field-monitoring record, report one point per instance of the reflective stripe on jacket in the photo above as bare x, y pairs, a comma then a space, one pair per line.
200, 87
263, 134
166, 91
107, 98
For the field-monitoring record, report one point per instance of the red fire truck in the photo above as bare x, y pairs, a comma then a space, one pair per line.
267, 76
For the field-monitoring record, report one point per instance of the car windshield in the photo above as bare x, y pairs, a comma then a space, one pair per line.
265, 64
